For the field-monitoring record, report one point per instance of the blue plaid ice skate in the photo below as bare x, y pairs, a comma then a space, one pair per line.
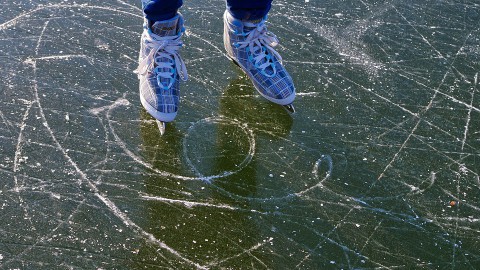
250, 45
161, 68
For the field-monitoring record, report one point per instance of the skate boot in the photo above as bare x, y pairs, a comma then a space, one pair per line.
161, 68
250, 46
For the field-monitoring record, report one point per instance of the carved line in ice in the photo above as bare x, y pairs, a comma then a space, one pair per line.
111, 206
298, 194
59, 57
192, 204
454, 245
221, 120
474, 89
247, 251
19, 146
395, 156
316, 167
319, 162
188, 204
17, 160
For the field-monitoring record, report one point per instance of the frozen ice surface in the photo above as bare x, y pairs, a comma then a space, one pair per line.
386, 136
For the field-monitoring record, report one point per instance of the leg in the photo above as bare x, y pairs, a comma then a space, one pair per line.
249, 9
160, 10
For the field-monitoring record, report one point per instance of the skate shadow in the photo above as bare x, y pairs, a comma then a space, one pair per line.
240, 101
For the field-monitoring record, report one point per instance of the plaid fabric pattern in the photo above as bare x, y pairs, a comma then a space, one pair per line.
278, 88
161, 101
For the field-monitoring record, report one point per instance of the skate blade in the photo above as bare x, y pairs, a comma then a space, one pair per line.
289, 108
161, 127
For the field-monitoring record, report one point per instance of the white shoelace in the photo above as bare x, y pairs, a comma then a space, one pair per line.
259, 41
163, 47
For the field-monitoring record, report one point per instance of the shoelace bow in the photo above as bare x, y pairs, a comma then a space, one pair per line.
163, 47
260, 43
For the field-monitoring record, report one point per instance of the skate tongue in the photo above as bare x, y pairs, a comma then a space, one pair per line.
167, 28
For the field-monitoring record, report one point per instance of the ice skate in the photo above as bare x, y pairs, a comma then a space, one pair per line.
250, 46
161, 68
